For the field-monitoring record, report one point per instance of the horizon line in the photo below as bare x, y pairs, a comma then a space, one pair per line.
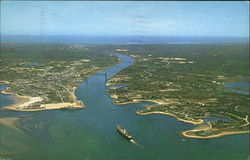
125, 35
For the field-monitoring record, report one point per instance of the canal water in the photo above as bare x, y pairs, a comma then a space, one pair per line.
238, 87
90, 133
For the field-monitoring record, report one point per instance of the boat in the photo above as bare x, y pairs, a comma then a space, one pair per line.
123, 132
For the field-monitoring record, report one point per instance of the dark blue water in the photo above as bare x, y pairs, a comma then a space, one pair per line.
90, 134
119, 39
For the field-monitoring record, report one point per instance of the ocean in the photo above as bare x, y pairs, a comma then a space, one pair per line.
118, 39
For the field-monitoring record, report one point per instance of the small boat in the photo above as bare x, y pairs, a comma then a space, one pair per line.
123, 132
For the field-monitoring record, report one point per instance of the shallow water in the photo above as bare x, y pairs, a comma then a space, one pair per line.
237, 86
117, 86
32, 64
214, 118
2, 87
90, 134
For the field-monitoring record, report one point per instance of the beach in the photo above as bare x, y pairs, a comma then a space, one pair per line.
195, 122
185, 133
22, 103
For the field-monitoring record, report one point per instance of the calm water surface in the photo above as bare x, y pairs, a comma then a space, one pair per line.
238, 87
89, 134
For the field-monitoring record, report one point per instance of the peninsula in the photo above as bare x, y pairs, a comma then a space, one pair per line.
187, 81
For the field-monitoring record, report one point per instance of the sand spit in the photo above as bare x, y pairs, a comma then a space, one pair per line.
195, 122
198, 128
185, 133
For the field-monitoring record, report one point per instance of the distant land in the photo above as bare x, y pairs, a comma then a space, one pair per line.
118, 39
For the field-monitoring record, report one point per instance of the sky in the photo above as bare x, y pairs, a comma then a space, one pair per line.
127, 18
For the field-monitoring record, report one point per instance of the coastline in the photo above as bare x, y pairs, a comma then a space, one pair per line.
5, 82
185, 134
195, 122
23, 102
199, 121
43, 107
134, 101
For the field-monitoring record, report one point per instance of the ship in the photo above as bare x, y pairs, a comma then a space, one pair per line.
123, 132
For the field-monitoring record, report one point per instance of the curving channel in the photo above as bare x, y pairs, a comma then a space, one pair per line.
90, 134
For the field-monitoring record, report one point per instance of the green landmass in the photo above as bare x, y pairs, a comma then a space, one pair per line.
49, 71
184, 80
187, 81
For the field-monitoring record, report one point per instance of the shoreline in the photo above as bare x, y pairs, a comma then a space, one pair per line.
184, 133
195, 122
21, 103
135, 101
49, 106
200, 121
21, 100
